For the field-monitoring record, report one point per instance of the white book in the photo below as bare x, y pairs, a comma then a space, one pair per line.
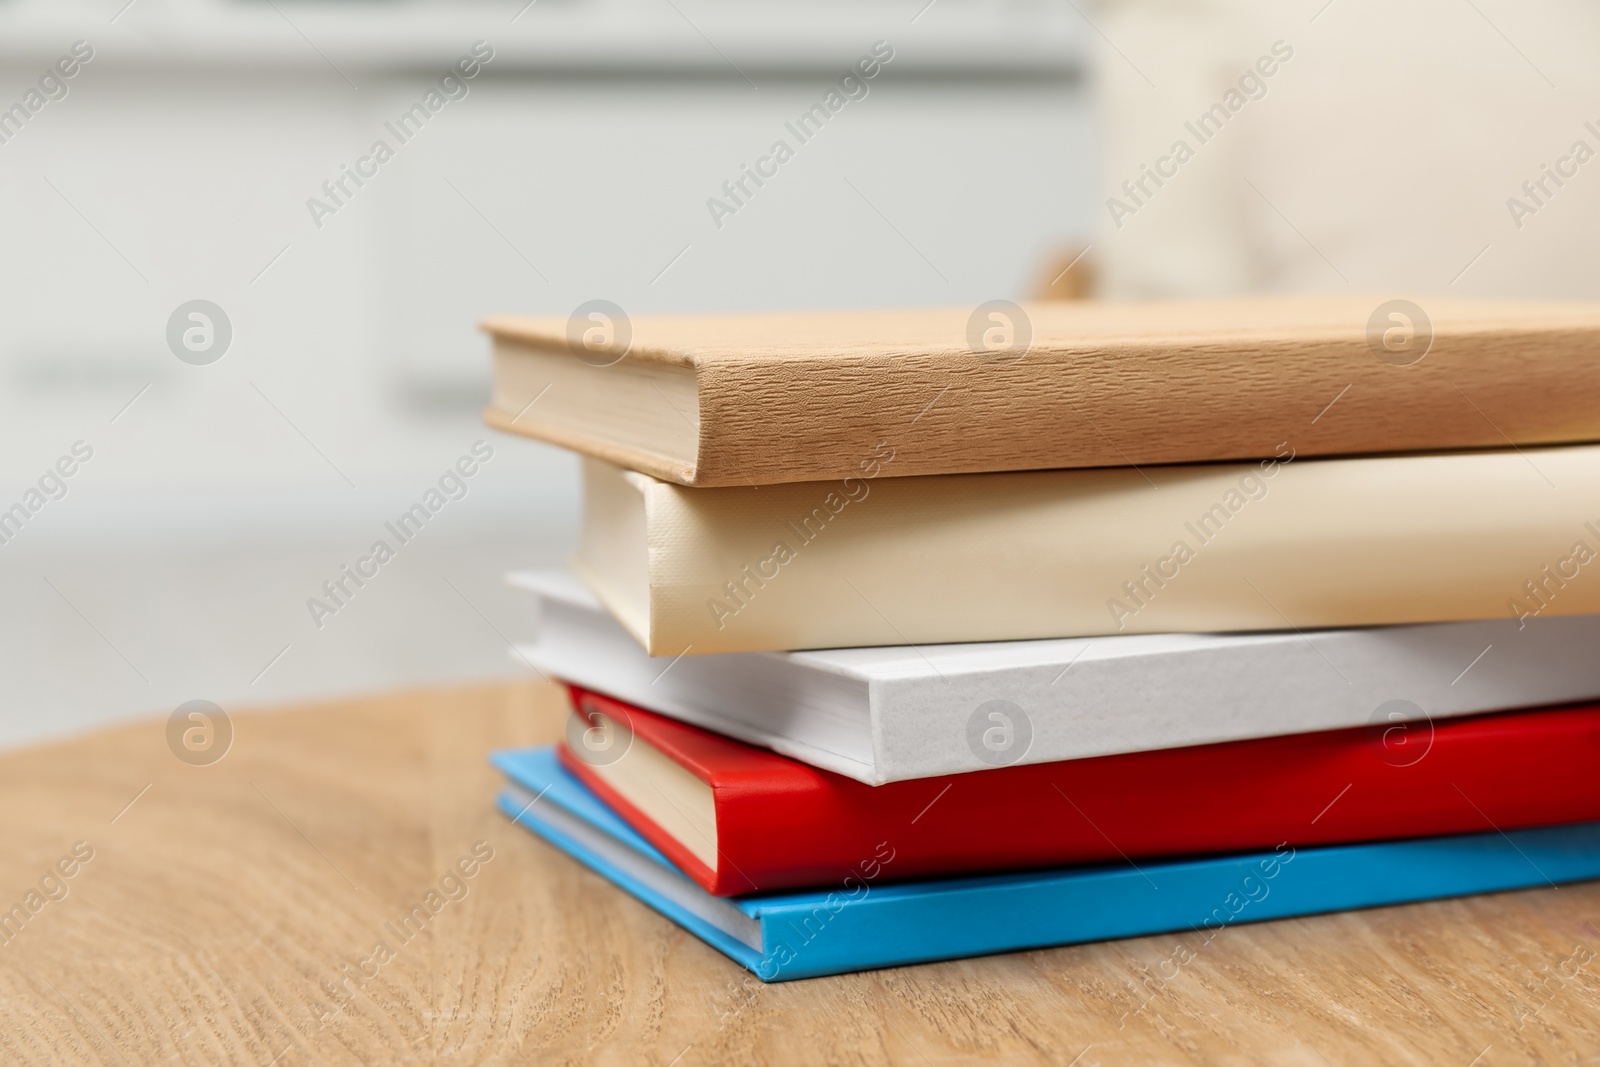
891, 713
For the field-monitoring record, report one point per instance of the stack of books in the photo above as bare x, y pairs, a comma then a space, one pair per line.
903, 636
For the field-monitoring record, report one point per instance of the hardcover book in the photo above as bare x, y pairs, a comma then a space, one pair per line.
888, 714
793, 397
1282, 544
859, 922
739, 819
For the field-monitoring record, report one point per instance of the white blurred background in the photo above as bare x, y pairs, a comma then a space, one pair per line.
1380, 157
178, 166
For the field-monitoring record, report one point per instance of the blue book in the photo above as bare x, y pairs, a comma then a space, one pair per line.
867, 921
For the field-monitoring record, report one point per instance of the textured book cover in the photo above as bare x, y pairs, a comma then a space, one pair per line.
759, 399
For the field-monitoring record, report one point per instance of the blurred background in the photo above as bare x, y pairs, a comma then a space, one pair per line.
1005, 150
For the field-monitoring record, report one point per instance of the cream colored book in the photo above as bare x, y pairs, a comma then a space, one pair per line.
1280, 544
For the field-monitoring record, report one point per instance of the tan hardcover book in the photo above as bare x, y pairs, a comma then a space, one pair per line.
1280, 544
762, 399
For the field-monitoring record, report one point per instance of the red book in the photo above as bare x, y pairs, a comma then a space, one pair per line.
739, 819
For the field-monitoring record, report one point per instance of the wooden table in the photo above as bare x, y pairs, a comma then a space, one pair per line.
222, 900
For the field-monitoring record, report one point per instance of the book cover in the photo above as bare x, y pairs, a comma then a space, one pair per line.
735, 400
774, 823
1283, 544
892, 713
861, 922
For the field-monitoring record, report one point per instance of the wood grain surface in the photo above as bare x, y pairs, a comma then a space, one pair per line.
211, 923
794, 396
